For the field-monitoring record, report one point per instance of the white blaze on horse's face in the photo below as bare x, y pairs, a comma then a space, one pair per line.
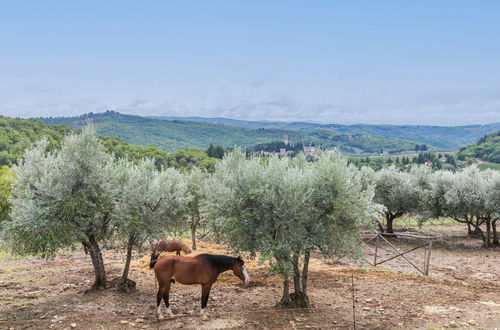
245, 274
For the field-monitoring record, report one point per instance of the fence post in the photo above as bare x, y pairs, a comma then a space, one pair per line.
428, 259
376, 249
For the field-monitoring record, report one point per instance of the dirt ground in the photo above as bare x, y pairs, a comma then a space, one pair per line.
462, 290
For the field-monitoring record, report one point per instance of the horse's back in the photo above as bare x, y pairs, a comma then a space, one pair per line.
185, 270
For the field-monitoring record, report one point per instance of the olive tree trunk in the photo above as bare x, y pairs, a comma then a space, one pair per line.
124, 284
305, 271
193, 235
488, 232
390, 220
285, 299
296, 274
130, 246
97, 261
494, 229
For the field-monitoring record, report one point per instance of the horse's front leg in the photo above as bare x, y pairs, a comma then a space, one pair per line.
205, 291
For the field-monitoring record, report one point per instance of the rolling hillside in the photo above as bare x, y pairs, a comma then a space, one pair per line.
180, 134
16, 135
441, 137
487, 149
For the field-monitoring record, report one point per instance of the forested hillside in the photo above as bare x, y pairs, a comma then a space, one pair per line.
178, 134
16, 135
487, 148
440, 137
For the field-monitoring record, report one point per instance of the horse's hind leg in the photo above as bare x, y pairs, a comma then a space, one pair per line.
162, 294
205, 291
166, 293
159, 297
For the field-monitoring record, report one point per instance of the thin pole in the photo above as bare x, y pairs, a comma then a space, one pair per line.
353, 301
428, 258
376, 249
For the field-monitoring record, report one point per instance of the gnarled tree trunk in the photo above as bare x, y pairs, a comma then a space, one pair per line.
296, 274
305, 271
97, 261
285, 299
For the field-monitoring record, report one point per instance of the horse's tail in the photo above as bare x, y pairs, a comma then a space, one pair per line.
185, 248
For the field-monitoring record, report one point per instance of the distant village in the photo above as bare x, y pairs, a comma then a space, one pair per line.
284, 148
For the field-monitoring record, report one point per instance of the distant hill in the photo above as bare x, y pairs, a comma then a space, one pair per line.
441, 137
487, 148
17, 135
176, 134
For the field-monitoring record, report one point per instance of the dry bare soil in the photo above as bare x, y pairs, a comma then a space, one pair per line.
463, 290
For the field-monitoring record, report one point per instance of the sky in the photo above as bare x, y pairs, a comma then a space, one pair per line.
377, 62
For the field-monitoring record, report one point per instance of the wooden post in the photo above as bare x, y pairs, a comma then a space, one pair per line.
376, 249
425, 258
428, 259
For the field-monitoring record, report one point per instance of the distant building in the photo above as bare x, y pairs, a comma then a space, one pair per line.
428, 164
285, 139
443, 159
282, 152
311, 151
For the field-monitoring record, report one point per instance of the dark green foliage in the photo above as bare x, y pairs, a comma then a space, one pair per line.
275, 146
422, 147
177, 134
487, 148
16, 135
215, 151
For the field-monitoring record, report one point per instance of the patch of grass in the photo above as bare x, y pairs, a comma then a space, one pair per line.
6, 256
493, 166
413, 222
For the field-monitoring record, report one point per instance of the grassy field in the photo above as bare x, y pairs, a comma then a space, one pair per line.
493, 166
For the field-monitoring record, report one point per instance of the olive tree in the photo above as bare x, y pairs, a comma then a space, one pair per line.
150, 202
494, 203
399, 192
194, 181
465, 197
62, 198
283, 208
7, 179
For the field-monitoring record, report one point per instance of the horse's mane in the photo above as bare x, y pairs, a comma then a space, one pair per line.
219, 261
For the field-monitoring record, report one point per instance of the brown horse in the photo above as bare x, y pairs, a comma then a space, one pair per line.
172, 246
202, 269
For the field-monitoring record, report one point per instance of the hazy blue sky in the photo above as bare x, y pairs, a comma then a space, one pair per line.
399, 62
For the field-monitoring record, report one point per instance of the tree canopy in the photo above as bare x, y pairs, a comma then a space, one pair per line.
282, 208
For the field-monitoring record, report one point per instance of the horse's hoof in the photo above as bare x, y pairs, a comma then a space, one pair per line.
169, 312
204, 317
160, 317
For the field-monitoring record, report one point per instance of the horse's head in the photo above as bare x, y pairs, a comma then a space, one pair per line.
240, 270
156, 250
